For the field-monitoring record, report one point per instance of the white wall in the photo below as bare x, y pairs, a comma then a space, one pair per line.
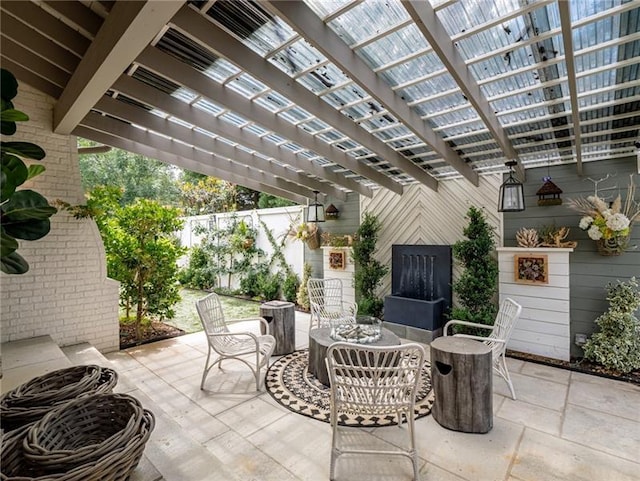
66, 293
278, 221
543, 327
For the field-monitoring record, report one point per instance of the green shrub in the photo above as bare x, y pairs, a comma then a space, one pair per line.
270, 286
251, 283
290, 287
617, 345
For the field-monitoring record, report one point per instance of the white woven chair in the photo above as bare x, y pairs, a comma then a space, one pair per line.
501, 330
327, 304
232, 345
374, 381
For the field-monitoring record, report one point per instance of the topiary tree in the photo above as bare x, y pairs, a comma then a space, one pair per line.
24, 213
477, 285
617, 345
369, 271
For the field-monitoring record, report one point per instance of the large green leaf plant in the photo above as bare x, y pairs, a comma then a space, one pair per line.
24, 213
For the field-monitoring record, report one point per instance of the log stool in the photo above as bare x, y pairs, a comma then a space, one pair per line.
461, 372
282, 325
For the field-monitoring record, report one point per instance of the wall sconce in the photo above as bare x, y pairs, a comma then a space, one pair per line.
315, 211
331, 212
511, 196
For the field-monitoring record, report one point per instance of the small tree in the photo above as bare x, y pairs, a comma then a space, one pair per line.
617, 345
303, 293
369, 271
142, 251
477, 285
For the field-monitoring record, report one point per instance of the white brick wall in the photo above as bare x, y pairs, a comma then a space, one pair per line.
66, 292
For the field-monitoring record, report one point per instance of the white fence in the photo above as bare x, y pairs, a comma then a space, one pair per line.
277, 220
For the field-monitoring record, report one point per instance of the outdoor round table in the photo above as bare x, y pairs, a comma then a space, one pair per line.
462, 376
280, 317
319, 342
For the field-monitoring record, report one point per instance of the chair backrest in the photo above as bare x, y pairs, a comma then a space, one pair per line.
506, 318
325, 300
374, 380
211, 314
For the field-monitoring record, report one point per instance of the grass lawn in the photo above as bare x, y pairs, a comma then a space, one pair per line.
187, 319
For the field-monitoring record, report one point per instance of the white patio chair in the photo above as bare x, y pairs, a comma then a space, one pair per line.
374, 381
501, 330
327, 304
232, 345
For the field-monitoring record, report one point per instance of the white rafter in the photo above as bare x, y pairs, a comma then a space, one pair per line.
127, 30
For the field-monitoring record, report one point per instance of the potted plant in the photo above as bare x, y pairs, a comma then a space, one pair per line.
24, 213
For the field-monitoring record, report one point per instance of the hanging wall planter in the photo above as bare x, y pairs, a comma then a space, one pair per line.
612, 247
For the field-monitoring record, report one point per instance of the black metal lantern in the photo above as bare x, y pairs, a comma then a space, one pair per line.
315, 211
511, 197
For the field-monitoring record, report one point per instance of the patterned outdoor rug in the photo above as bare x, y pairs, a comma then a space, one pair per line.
291, 385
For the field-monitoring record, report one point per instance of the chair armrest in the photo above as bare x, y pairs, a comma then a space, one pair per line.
351, 307
464, 323
480, 338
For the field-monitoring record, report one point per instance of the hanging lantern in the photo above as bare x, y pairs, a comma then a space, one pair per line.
511, 195
315, 211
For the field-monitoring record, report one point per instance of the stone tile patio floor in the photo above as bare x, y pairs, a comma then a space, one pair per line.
564, 426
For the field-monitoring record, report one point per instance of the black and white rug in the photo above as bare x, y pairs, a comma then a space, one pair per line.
290, 384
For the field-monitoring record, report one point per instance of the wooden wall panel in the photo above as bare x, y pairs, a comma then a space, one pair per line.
422, 216
590, 272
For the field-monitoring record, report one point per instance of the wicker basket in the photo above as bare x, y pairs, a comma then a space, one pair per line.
30, 401
99, 438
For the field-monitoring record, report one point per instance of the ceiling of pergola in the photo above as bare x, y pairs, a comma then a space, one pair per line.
289, 97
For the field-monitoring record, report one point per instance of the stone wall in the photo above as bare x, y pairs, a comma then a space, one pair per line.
66, 292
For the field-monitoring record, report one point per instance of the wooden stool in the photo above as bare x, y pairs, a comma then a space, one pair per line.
281, 317
461, 372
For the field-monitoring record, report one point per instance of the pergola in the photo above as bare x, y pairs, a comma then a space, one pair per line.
289, 97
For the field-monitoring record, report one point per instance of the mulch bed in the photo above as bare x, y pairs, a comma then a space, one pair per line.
579, 365
157, 331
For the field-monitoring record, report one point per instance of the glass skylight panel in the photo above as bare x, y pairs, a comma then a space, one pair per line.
314, 125
273, 101
210, 107
247, 86
275, 138
295, 115
205, 132
508, 84
331, 136
466, 115
366, 18
178, 121
396, 45
300, 56
233, 118
184, 95
272, 34
256, 129
326, 7
461, 129
221, 70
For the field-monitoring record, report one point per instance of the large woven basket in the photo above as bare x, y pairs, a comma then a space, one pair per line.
98, 438
30, 401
